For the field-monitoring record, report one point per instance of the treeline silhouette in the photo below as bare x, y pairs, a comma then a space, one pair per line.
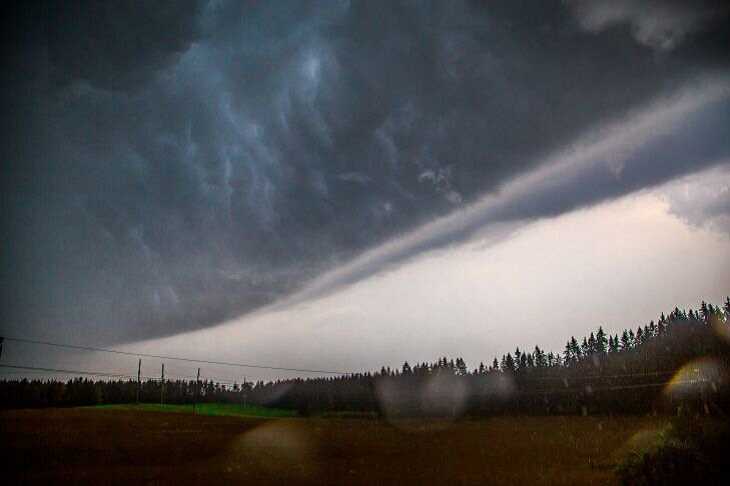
678, 364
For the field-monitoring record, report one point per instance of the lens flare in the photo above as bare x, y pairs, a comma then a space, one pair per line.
702, 376
441, 396
721, 328
281, 448
444, 396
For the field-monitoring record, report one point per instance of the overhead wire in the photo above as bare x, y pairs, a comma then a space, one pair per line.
173, 358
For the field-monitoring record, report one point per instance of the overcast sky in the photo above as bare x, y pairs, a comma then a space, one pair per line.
309, 181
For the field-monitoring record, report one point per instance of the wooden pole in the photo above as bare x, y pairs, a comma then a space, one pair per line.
139, 378
162, 386
244, 392
197, 391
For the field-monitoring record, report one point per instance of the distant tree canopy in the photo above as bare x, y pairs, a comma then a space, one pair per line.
646, 370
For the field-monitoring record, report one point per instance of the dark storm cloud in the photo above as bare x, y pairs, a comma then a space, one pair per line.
661, 24
650, 149
173, 166
113, 45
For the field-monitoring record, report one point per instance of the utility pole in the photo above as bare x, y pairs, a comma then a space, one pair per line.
139, 378
197, 391
1, 346
162, 386
244, 392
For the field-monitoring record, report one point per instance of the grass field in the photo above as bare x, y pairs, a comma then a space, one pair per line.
127, 445
207, 409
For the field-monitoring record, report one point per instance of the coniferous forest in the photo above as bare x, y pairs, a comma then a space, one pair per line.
678, 364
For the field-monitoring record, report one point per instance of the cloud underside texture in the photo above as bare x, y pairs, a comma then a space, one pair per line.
170, 166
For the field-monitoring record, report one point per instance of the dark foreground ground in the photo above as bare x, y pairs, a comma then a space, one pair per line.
96, 446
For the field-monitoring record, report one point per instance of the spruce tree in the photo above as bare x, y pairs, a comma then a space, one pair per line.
406, 369
585, 349
704, 311
569, 356
601, 341
509, 364
592, 345
625, 340
576, 348
461, 367
613, 344
540, 359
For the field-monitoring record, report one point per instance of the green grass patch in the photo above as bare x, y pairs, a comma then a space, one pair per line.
208, 409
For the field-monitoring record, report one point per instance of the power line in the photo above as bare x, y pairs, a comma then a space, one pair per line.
175, 358
70, 372
301, 370
36, 369
525, 392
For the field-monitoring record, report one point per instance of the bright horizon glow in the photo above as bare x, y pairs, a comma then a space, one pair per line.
616, 265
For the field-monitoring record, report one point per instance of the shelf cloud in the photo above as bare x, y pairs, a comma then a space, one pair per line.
169, 166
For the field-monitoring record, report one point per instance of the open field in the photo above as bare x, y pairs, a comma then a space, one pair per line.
208, 409
123, 445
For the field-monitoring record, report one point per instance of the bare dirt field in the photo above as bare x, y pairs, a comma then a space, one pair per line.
95, 446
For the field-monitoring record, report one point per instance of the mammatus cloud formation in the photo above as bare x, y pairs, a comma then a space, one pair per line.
168, 166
